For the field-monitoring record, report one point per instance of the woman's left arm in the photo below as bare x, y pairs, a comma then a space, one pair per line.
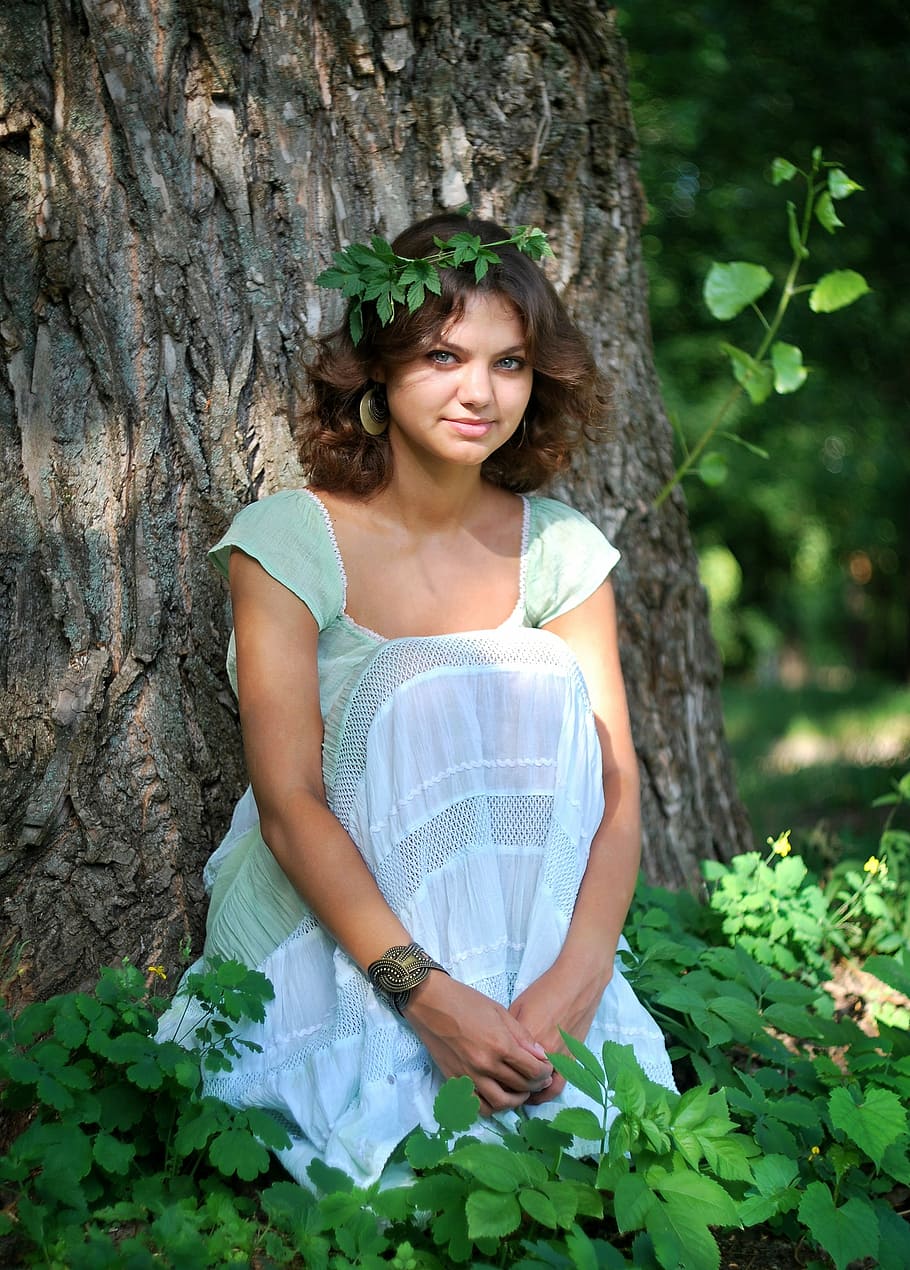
567, 995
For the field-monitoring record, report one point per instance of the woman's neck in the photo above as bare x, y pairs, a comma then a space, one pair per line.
432, 497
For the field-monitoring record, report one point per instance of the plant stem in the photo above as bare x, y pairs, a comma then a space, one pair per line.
771, 329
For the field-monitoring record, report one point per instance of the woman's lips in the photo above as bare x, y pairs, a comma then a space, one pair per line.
471, 427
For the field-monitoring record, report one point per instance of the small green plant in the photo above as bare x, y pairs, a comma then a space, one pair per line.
791, 1117
375, 274
114, 1124
774, 366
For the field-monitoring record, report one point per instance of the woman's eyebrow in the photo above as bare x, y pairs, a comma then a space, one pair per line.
458, 348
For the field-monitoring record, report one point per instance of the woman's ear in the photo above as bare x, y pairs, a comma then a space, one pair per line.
377, 373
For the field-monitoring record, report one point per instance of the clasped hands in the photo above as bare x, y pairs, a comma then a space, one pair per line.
503, 1051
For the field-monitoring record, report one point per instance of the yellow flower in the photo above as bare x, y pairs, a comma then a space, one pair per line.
873, 865
814, 1151
157, 970
781, 845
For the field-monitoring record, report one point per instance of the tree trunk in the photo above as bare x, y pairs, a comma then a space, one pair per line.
173, 175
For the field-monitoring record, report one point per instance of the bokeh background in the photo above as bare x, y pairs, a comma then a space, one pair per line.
805, 552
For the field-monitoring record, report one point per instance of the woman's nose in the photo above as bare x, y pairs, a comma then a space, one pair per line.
474, 387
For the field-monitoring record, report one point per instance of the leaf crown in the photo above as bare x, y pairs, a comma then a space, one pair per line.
377, 275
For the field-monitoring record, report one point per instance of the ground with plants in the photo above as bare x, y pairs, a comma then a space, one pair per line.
787, 1145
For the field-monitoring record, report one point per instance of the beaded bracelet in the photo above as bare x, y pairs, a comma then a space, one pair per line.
398, 972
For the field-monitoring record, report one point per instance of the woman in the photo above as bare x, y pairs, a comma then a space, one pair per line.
435, 728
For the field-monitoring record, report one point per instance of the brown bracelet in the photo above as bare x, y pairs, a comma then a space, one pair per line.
399, 971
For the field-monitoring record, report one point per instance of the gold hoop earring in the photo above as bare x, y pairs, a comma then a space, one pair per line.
524, 432
374, 411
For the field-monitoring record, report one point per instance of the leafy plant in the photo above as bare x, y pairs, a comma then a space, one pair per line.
774, 366
376, 274
791, 1118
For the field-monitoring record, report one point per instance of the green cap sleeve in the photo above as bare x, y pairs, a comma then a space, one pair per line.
288, 535
568, 559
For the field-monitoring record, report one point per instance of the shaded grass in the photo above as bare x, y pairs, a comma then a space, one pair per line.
813, 759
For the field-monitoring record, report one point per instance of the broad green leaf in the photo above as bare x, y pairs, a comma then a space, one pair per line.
286, 1204
692, 1108
580, 1122
707, 1197
894, 1244
496, 1166
847, 1233
543, 1134
628, 1093
873, 1124
424, 1152
792, 1020
713, 469
840, 185
730, 288
755, 377
237, 1151
113, 1155
565, 1198
681, 1238
578, 1076
267, 1129
836, 290
583, 1055
581, 1250
633, 1200
491, 1214
789, 371
742, 1017
538, 1206
782, 170
457, 1106
890, 971
826, 215
730, 1157
328, 1179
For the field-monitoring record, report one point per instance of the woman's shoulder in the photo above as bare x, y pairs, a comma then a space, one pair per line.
568, 559
289, 533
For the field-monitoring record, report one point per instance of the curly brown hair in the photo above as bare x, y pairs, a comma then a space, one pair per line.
569, 397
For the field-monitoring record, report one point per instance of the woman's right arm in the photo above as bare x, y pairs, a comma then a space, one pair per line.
278, 689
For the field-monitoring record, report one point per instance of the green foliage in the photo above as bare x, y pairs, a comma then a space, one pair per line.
717, 89
791, 1117
375, 274
775, 366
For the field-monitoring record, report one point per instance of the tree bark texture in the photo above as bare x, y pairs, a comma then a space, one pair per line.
173, 176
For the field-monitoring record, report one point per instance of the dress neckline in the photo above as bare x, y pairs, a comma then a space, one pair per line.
513, 619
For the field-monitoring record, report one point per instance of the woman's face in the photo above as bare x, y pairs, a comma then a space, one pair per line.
462, 400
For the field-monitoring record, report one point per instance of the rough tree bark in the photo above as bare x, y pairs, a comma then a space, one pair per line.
173, 175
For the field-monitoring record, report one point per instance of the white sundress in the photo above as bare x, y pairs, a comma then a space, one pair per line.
467, 769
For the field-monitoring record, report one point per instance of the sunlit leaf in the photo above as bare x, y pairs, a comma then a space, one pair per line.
840, 185
873, 1124
782, 170
756, 377
826, 215
491, 1214
730, 288
836, 290
789, 371
847, 1233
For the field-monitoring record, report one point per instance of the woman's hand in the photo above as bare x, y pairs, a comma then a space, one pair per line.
467, 1034
560, 998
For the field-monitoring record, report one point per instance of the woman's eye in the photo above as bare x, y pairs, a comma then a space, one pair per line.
442, 357
511, 363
